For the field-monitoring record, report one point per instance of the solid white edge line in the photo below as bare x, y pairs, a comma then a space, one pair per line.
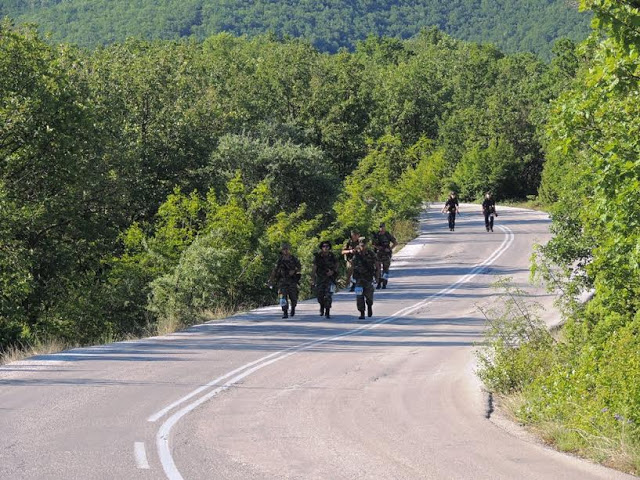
165, 410
141, 455
162, 437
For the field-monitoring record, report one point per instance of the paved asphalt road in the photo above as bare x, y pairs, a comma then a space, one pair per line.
257, 397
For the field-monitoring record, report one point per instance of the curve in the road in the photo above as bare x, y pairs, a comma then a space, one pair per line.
163, 435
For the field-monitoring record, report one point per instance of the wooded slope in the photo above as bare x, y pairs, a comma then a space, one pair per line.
512, 25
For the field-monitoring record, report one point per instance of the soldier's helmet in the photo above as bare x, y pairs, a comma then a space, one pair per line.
285, 246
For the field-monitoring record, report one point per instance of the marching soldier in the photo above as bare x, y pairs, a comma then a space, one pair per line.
286, 276
325, 270
383, 244
452, 206
489, 211
364, 271
348, 251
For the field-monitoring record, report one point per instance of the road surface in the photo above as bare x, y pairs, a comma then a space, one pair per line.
258, 397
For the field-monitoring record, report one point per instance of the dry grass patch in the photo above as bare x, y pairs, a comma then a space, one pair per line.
404, 231
20, 352
619, 451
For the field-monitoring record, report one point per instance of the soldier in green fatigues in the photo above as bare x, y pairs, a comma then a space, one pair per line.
364, 272
383, 242
286, 276
348, 251
324, 272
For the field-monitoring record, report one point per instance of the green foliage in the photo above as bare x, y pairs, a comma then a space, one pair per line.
593, 176
365, 200
294, 174
155, 119
179, 219
516, 345
53, 191
514, 25
104, 153
205, 278
390, 184
412, 96
495, 169
593, 391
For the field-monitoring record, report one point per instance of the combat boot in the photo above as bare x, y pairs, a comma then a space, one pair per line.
285, 314
369, 310
327, 313
293, 311
321, 310
361, 317
384, 284
378, 285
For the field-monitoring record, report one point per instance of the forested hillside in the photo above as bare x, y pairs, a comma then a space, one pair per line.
512, 25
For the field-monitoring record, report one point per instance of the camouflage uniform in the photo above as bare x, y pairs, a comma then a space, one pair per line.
350, 244
382, 244
326, 270
364, 271
286, 276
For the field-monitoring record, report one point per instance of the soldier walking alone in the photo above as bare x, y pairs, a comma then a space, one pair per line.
489, 210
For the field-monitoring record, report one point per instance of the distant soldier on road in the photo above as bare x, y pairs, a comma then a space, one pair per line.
452, 206
364, 272
324, 273
286, 276
489, 211
383, 242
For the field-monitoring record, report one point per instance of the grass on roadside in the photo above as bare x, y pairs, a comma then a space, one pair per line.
619, 451
20, 352
532, 203
166, 325
50, 346
516, 350
404, 231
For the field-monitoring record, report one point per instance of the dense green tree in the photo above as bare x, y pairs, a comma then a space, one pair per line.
53, 187
154, 118
495, 168
295, 174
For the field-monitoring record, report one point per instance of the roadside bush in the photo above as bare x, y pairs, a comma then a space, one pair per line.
204, 279
594, 391
517, 345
